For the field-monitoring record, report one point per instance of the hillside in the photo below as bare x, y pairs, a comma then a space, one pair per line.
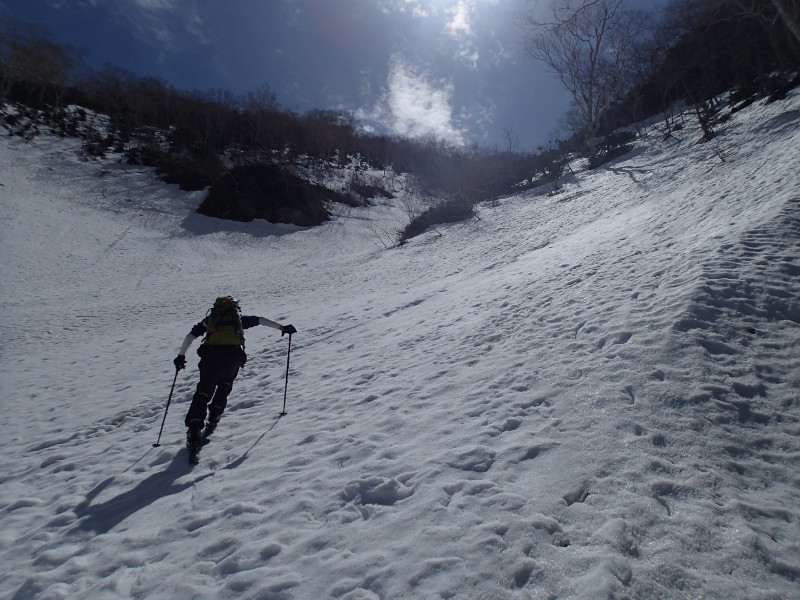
580, 396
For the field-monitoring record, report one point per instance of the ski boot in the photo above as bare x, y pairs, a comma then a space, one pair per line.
194, 439
211, 425
194, 442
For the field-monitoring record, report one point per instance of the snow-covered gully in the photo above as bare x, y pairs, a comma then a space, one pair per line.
594, 394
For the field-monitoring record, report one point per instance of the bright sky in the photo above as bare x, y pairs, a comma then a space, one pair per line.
452, 68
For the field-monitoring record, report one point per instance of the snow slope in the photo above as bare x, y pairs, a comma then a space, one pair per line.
589, 395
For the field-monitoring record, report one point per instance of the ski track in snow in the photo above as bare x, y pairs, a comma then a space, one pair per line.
594, 394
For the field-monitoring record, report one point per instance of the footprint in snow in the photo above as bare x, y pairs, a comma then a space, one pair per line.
383, 491
614, 339
478, 459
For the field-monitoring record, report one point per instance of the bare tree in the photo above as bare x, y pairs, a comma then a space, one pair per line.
29, 58
6, 71
260, 110
789, 10
768, 13
588, 44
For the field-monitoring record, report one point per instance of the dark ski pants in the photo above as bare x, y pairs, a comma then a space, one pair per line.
219, 366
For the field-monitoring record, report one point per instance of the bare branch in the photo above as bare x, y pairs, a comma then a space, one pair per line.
590, 46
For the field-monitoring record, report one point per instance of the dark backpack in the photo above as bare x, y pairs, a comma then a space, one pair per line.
224, 324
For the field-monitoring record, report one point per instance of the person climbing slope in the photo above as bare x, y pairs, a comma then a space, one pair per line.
222, 354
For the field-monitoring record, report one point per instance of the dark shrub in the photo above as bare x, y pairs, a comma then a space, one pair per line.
190, 174
370, 191
268, 192
613, 146
548, 168
449, 211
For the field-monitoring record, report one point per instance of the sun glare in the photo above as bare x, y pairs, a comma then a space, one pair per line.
432, 8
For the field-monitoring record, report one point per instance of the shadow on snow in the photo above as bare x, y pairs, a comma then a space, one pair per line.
102, 517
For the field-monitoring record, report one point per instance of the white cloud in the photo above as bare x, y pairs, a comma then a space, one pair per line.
413, 106
458, 24
164, 24
458, 27
156, 4
416, 8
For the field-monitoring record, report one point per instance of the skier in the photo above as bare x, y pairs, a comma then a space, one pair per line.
221, 356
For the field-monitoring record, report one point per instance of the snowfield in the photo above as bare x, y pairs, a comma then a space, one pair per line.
589, 395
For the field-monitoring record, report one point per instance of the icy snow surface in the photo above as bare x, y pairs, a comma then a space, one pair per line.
588, 395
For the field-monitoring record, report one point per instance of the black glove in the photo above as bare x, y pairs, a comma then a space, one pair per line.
179, 362
287, 329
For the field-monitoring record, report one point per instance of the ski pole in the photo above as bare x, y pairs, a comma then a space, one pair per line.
172, 389
286, 385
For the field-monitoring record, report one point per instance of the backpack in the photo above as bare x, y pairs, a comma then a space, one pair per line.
223, 324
